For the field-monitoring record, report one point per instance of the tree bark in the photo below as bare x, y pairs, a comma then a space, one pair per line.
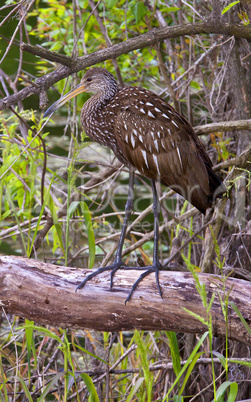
45, 293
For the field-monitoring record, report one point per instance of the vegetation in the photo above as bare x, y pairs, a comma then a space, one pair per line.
62, 197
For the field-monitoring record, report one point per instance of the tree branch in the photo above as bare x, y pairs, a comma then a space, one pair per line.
46, 293
49, 55
223, 126
144, 40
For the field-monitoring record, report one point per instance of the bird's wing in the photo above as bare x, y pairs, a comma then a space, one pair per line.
161, 144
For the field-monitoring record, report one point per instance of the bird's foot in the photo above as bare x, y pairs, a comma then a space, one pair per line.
147, 270
113, 268
120, 265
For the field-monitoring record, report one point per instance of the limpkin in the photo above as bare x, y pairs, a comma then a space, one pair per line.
147, 134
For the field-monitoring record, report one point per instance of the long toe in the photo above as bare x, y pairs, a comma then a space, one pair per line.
113, 268
148, 270
140, 278
92, 275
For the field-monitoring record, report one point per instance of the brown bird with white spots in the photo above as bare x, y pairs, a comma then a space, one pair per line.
147, 134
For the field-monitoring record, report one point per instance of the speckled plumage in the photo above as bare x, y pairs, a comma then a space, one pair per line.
145, 132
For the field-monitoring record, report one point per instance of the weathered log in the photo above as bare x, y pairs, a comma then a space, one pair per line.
45, 293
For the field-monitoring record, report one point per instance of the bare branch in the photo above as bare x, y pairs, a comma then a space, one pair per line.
223, 126
49, 55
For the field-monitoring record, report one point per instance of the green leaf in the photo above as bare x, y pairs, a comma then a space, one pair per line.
225, 9
90, 233
178, 398
232, 392
57, 225
90, 386
89, 353
189, 360
195, 85
174, 348
43, 331
29, 341
189, 371
244, 322
170, 9
60, 236
220, 357
50, 386
198, 317
144, 363
25, 388
135, 388
3, 380
72, 208
242, 362
139, 10
111, 3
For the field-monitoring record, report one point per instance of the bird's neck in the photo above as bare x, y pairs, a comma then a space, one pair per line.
97, 102
94, 109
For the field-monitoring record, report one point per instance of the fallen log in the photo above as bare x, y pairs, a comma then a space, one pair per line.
45, 293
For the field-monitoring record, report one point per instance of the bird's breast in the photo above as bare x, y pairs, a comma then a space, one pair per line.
98, 127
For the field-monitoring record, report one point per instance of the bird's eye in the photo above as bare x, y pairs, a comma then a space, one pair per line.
89, 79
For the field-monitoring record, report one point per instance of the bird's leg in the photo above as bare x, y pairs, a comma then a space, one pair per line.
156, 264
156, 209
128, 210
118, 263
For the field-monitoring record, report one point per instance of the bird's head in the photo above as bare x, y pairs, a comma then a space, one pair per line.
96, 81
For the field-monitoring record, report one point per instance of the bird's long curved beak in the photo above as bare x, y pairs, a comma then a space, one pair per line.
61, 101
